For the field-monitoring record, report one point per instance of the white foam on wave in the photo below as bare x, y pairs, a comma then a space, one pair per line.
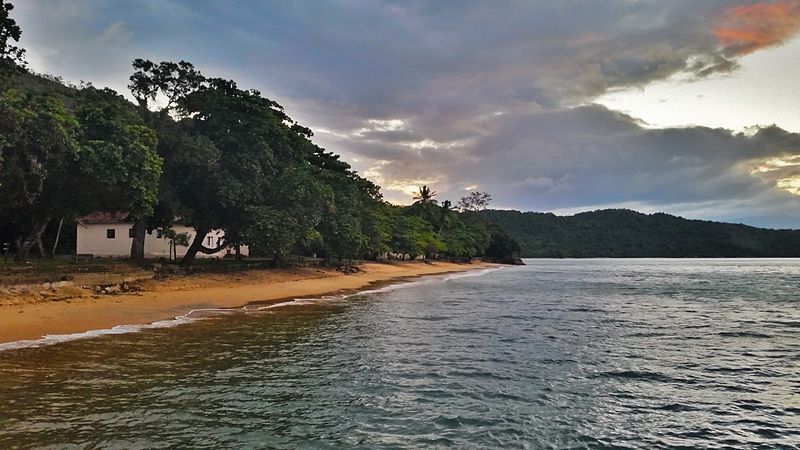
294, 302
426, 280
393, 287
471, 273
203, 313
52, 339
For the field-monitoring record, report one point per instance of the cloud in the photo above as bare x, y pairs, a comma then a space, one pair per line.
383, 58
747, 28
68, 39
463, 93
589, 157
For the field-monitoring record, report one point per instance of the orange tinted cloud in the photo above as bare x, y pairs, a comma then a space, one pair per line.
747, 28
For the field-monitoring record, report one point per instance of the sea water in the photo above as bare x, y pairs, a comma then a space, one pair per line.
555, 354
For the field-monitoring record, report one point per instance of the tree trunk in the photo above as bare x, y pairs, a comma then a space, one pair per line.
277, 261
40, 245
25, 245
198, 247
197, 243
238, 252
137, 245
58, 235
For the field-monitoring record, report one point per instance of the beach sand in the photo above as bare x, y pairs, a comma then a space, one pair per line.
72, 309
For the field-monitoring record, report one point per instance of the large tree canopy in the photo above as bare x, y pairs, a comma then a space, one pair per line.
118, 153
212, 155
39, 148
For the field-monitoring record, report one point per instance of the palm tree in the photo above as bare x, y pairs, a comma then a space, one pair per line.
447, 212
424, 196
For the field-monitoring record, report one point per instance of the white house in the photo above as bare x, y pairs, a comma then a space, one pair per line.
107, 234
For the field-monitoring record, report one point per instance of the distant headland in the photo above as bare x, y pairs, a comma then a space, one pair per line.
622, 233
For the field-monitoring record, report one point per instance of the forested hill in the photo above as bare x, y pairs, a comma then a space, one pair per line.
622, 233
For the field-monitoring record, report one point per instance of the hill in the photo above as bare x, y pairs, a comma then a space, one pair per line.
620, 233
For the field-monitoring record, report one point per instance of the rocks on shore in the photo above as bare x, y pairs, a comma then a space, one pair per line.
117, 288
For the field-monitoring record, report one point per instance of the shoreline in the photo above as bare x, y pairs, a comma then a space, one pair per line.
171, 299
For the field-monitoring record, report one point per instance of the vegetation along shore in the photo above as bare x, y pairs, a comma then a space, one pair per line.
207, 154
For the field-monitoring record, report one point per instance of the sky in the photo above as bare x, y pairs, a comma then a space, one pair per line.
686, 107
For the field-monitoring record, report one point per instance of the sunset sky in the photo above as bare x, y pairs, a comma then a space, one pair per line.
687, 107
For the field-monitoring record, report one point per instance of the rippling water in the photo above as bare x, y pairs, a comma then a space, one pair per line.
556, 354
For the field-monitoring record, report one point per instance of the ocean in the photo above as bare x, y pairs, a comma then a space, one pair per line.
641, 353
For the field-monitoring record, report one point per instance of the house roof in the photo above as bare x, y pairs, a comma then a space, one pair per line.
104, 217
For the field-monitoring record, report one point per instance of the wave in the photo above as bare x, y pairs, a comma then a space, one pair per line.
204, 313
744, 334
296, 302
472, 273
394, 287
52, 339
641, 376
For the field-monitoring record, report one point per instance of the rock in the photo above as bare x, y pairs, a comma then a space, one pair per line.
113, 289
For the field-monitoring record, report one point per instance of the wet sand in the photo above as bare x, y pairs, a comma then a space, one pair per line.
161, 300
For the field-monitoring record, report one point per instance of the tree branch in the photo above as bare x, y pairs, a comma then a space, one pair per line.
209, 251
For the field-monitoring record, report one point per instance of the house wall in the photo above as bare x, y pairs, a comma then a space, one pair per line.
92, 239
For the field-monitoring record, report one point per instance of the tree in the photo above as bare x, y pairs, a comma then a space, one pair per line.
475, 201
39, 150
424, 195
343, 230
446, 215
460, 241
297, 203
118, 153
10, 32
258, 146
173, 82
502, 247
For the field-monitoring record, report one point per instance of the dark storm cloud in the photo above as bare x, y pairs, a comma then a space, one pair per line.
590, 156
463, 93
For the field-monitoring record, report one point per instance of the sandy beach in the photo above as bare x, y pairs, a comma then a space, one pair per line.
73, 309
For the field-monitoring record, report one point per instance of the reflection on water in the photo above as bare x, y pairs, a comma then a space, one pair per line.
572, 353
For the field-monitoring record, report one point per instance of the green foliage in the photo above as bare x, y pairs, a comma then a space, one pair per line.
350, 229
214, 156
412, 235
39, 150
60, 162
247, 161
502, 247
10, 32
464, 241
118, 153
292, 214
628, 234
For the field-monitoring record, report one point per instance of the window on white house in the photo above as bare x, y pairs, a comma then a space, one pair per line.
130, 232
210, 240
111, 233
158, 234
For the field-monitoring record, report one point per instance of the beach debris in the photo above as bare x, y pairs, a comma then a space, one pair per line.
117, 288
348, 268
